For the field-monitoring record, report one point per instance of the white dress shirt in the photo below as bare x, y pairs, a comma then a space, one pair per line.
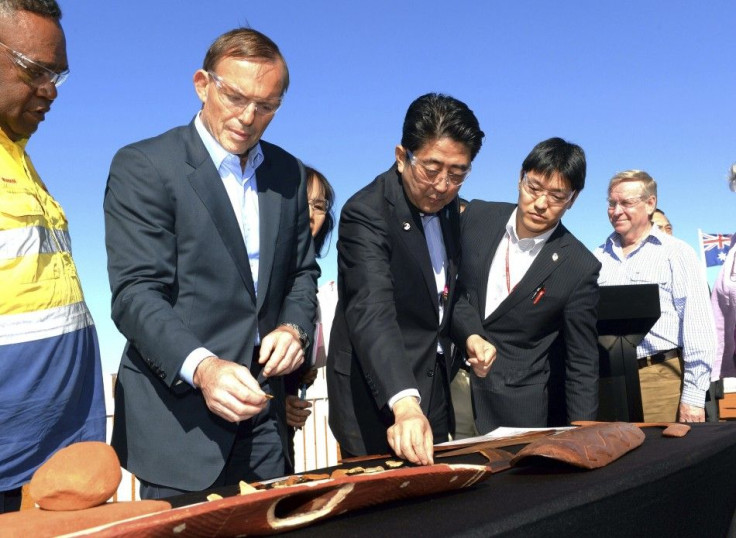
512, 260
242, 189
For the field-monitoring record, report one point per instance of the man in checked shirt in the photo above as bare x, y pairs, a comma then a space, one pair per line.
676, 356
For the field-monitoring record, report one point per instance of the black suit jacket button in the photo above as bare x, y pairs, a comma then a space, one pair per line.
430, 373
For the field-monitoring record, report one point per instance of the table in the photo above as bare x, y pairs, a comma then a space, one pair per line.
666, 487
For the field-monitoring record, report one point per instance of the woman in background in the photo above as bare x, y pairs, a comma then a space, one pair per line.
723, 300
321, 199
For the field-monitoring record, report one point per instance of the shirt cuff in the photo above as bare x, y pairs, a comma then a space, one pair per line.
693, 396
191, 362
403, 394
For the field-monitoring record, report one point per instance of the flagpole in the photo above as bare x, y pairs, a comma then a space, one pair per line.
702, 254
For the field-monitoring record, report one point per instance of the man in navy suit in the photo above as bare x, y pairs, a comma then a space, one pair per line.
213, 279
529, 287
390, 354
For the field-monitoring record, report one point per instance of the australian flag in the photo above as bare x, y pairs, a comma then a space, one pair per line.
715, 248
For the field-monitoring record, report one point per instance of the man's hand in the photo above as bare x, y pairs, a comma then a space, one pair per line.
690, 413
281, 351
308, 377
297, 411
410, 436
229, 389
481, 354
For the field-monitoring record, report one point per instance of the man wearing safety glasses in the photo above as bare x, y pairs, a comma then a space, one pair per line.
528, 287
50, 375
390, 356
214, 281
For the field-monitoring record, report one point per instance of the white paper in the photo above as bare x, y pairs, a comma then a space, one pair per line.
501, 433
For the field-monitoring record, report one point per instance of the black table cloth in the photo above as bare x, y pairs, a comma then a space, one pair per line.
666, 487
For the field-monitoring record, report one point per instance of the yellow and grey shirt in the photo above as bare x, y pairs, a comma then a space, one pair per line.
51, 391
40, 294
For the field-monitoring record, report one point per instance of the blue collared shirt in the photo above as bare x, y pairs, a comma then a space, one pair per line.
686, 320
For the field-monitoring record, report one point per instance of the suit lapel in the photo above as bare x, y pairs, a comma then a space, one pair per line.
411, 232
207, 183
550, 258
450, 223
269, 209
493, 242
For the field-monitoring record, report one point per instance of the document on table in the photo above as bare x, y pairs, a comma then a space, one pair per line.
501, 433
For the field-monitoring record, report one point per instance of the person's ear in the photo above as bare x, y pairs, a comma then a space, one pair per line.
651, 205
201, 80
400, 154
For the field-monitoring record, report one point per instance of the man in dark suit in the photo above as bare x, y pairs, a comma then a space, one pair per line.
398, 252
529, 287
213, 278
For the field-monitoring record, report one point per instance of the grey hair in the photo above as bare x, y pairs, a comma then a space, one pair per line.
648, 185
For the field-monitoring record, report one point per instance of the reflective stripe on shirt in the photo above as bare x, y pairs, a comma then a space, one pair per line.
36, 266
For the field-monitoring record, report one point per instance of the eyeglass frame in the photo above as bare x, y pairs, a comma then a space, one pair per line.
426, 180
21, 61
627, 203
551, 196
226, 99
327, 205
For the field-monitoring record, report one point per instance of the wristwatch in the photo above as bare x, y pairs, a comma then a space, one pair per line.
303, 338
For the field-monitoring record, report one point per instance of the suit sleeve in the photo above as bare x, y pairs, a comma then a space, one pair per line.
581, 346
466, 315
299, 305
364, 252
140, 238
465, 318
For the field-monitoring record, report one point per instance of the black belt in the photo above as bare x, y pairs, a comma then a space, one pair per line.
440, 360
658, 357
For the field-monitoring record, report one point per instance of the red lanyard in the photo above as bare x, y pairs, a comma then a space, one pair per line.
508, 272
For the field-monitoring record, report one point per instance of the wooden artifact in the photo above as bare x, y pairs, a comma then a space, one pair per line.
671, 429
39, 523
281, 509
588, 447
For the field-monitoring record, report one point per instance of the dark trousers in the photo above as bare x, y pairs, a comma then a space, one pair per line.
439, 408
715, 393
10, 500
257, 454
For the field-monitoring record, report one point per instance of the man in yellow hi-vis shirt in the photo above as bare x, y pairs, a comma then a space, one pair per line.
50, 374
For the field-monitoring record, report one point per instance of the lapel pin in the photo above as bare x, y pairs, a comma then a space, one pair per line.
555, 257
406, 226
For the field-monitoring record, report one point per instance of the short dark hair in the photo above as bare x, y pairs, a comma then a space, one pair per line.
434, 116
555, 155
323, 235
245, 43
46, 8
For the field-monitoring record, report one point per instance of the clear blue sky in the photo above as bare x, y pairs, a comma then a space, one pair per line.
638, 84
